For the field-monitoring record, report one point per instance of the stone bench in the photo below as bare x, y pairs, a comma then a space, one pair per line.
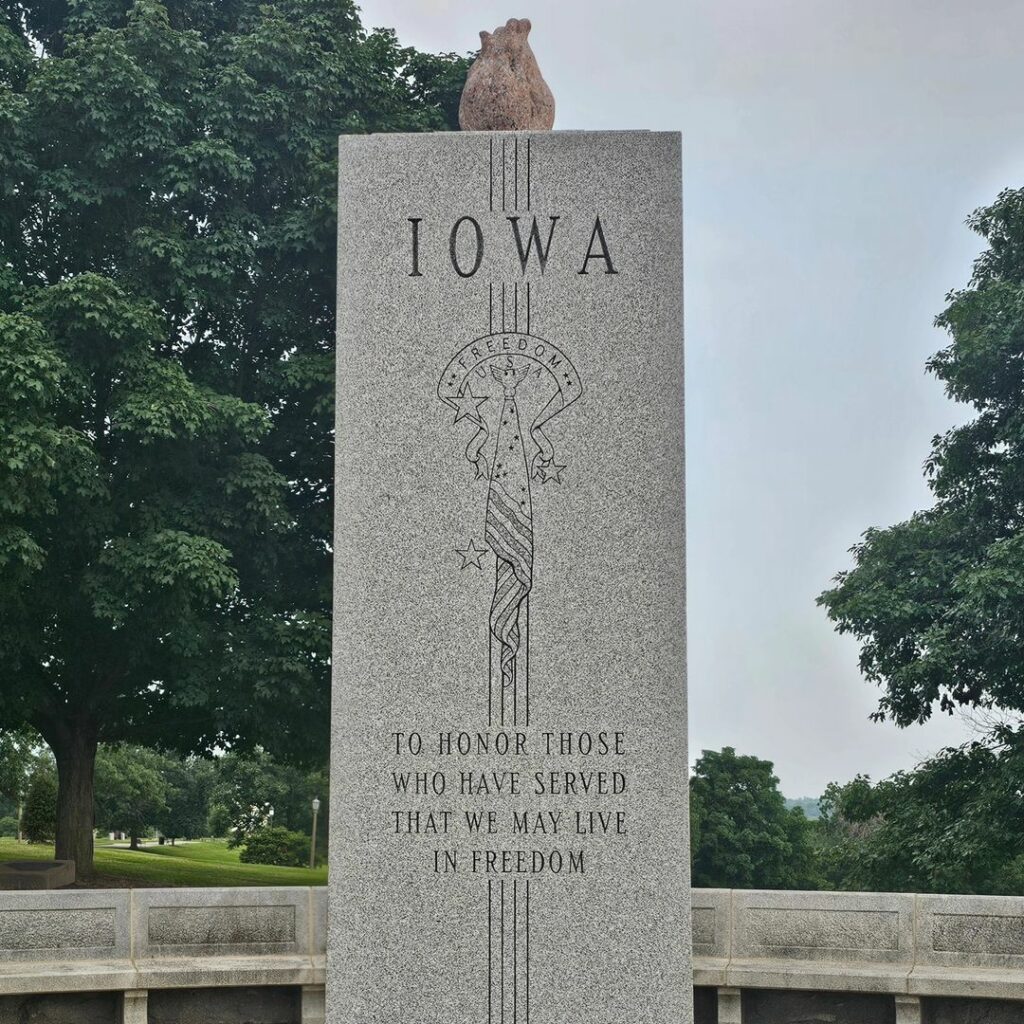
215, 956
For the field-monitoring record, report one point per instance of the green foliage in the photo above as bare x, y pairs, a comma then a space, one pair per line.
218, 821
20, 753
167, 221
9, 826
850, 815
743, 837
937, 602
189, 783
39, 819
131, 789
274, 845
250, 786
953, 824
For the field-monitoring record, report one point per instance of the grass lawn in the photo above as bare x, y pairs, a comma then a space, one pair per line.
207, 862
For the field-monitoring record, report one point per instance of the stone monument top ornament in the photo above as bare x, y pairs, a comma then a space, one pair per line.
505, 91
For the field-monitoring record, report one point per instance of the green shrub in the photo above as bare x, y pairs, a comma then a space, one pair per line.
39, 819
9, 827
218, 822
274, 845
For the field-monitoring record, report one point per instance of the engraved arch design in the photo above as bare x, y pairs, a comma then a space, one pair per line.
490, 351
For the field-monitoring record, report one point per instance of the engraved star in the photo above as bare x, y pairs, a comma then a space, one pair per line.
471, 555
551, 471
468, 404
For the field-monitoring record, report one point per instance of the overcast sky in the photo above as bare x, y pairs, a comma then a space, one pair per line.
831, 151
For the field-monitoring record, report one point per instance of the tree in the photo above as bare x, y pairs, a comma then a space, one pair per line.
254, 788
937, 602
21, 752
218, 822
953, 824
167, 173
744, 837
849, 817
39, 820
271, 844
131, 790
189, 784
17, 758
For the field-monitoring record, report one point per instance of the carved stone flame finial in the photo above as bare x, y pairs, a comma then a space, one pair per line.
505, 90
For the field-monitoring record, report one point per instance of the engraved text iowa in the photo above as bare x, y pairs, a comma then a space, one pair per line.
463, 246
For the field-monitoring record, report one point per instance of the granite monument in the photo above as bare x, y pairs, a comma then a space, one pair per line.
509, 769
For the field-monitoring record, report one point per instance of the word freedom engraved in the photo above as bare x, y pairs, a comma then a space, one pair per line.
523, 820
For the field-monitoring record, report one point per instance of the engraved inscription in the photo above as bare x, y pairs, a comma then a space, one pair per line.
999, 934
703, 929
818, 928
57, 929
221, 926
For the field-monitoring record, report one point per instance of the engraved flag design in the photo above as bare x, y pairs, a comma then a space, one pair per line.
508, 529
507, 388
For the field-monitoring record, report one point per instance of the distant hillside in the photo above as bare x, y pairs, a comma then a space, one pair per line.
809, 804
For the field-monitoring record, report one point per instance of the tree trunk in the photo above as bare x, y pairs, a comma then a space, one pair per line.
134, 843
75, 753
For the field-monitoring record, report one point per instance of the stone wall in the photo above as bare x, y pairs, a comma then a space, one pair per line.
256, 956
855, 958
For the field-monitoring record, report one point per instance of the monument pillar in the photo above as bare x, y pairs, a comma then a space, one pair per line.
509, 767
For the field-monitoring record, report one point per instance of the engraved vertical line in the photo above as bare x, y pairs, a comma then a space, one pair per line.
527, 950
503, 161
501, 673
515, 314
503, 951
490, 635
503, 308
517, 176
501, 678
515, 692
528, 173
515, 951
526, 688
490, 955
491, 175
527, 307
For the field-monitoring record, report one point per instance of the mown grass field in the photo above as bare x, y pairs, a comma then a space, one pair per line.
207, 862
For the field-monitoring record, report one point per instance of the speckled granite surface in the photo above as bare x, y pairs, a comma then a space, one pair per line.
509, 736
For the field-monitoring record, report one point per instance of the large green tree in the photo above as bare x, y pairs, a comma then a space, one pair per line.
190, 782
743, 837
937, 602
166, 359
132, 790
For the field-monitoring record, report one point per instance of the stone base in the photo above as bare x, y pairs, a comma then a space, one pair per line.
37, 874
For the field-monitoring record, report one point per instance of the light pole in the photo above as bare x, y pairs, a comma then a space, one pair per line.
312, 844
